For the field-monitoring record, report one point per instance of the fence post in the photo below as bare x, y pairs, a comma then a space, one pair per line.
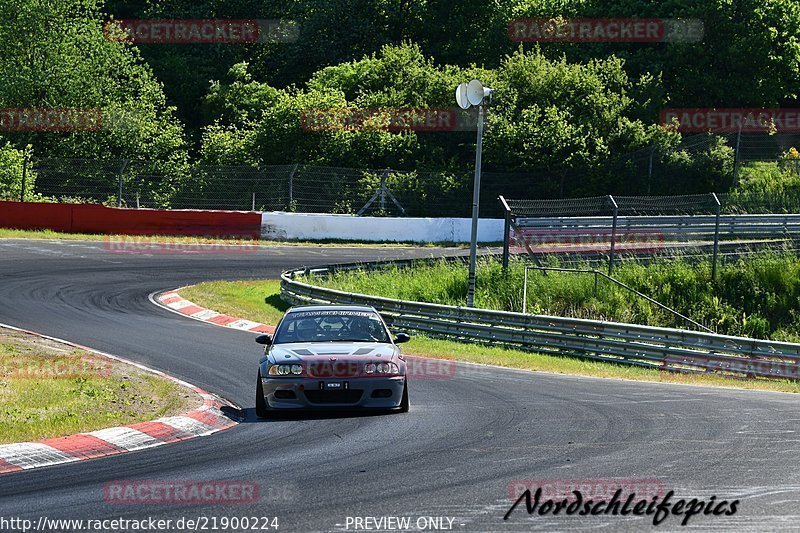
717, 209
291, 184
24, 177
525, 291
121, 170
650, 170
383, 189
506, 232
737, 156
254, 202
613, 233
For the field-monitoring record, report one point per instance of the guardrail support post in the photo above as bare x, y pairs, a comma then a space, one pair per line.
613, 234
717, 209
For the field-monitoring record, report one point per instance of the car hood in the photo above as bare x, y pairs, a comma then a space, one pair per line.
298, 352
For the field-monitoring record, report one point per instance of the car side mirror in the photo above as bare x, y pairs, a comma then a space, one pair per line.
402, 337
264, 339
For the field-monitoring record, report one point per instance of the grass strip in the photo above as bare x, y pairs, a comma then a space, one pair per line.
49, 389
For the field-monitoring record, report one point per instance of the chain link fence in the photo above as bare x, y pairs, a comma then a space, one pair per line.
702, 163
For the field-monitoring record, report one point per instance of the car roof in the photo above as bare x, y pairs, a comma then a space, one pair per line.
331, 308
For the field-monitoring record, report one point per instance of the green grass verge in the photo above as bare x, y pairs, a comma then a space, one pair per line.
6, 233
260, 301
255, 300
51, 390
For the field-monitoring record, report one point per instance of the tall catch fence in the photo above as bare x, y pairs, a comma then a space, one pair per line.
701, 163
639, 225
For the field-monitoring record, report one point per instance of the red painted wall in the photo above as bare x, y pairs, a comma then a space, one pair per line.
88, 218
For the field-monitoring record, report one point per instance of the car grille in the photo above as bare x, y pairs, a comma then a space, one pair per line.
329, 369
334, 396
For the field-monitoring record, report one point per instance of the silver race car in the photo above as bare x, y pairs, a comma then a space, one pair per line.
331, 357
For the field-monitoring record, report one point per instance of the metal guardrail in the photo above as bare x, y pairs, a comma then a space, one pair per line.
679, 227
631, 344
530, 224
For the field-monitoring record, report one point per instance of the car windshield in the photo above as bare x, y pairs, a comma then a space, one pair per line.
331, 326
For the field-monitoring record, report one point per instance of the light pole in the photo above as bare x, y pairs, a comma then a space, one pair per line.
467, 95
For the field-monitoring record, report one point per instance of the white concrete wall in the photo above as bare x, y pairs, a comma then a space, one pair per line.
312, 226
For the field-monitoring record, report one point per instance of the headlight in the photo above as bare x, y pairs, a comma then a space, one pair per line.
285, 370
381, 368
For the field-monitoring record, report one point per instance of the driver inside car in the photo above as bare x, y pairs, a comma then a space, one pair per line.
306, 330
361, 329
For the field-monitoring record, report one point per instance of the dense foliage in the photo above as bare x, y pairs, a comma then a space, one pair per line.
559, 107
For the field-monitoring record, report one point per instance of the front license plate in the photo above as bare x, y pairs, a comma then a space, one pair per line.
335, 385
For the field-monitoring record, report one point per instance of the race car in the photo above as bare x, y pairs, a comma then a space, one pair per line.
331, 357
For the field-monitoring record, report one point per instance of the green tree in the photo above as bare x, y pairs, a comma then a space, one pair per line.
56, 55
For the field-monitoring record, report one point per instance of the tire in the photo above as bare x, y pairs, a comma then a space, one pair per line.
405, 405
262, 410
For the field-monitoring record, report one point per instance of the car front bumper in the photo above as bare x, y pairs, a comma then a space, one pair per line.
310, 393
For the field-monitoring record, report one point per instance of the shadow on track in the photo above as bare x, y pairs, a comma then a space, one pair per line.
248, 415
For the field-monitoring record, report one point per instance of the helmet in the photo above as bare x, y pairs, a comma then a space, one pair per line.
361, 328
306, 328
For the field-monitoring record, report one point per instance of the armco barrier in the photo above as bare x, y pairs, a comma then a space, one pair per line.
686, 227
652, 347
90, 218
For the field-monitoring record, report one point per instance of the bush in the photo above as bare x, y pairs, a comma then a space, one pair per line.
11, 162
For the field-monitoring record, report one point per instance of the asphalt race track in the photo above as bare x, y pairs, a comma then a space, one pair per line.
454, 455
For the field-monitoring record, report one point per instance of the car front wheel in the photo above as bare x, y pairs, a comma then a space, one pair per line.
405, 405
262, 410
